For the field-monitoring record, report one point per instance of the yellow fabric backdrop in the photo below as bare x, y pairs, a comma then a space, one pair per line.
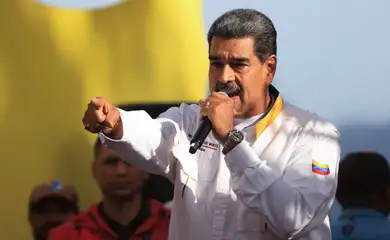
52, 61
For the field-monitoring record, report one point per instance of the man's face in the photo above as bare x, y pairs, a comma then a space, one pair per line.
115, 177
48, 214
234, 67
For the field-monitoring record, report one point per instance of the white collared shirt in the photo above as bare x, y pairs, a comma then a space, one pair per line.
265, 188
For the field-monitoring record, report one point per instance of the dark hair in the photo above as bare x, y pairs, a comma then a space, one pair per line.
362, 174
242, 23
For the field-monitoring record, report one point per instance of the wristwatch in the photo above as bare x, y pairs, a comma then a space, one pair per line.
235, 137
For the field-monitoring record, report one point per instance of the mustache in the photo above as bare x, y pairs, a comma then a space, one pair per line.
230, 88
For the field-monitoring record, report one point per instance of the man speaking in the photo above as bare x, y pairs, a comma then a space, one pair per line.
268, 170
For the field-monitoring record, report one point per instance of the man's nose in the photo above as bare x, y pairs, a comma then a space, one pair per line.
227, 74
121, 167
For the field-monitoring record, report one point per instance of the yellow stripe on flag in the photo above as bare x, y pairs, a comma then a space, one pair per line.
318, 164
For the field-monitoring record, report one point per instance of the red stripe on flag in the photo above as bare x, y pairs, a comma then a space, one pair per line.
320, 172
210, 147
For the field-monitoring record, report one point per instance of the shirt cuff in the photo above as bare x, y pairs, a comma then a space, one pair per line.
240, 158
104, 139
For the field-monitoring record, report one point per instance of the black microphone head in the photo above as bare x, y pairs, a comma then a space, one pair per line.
193, 148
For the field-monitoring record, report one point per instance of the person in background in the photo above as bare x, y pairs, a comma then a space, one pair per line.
158, 186
50, 205
125, 212
364, 194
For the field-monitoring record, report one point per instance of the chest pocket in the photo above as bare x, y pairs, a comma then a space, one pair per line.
201, 166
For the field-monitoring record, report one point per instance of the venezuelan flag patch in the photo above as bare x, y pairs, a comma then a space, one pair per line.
319, 168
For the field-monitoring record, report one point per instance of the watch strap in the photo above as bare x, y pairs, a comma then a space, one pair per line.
232, 141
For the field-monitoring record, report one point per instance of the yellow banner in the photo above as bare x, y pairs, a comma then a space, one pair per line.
52, 61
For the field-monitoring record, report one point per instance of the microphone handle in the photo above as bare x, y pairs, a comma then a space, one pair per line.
200, 135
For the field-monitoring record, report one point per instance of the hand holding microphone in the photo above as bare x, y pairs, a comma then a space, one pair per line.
218, 113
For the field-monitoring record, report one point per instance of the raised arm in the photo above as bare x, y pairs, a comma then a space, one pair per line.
135, 136
147, 142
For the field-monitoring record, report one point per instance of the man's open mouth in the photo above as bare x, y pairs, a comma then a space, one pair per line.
234, 94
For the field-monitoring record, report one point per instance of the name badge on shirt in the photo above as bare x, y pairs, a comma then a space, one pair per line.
209, 146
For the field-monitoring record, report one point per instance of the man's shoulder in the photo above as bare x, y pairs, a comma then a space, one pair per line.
63, 231
72, 227
309, 121
159, 208
64, 227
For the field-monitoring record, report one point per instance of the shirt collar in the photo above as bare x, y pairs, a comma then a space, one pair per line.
126, 230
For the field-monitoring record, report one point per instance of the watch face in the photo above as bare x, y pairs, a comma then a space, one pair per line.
236, 136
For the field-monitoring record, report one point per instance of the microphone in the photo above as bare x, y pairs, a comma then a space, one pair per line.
202, 132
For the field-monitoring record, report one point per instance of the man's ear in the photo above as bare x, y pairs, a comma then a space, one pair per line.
270, 66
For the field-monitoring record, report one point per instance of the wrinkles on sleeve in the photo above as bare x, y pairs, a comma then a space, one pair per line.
244, 165
146, 142
293, 200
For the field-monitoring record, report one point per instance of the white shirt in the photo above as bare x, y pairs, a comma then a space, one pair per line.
267, 187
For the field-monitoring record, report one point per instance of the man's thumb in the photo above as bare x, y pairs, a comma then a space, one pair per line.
106, 108
112, 116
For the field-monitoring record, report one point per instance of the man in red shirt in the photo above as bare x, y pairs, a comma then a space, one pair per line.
125, 213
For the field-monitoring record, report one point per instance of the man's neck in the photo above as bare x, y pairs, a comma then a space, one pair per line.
259, 107
122, 212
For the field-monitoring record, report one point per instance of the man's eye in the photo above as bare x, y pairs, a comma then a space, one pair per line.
216, 64
238, 65
111, 161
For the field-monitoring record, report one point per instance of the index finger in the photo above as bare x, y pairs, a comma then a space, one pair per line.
97, 103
